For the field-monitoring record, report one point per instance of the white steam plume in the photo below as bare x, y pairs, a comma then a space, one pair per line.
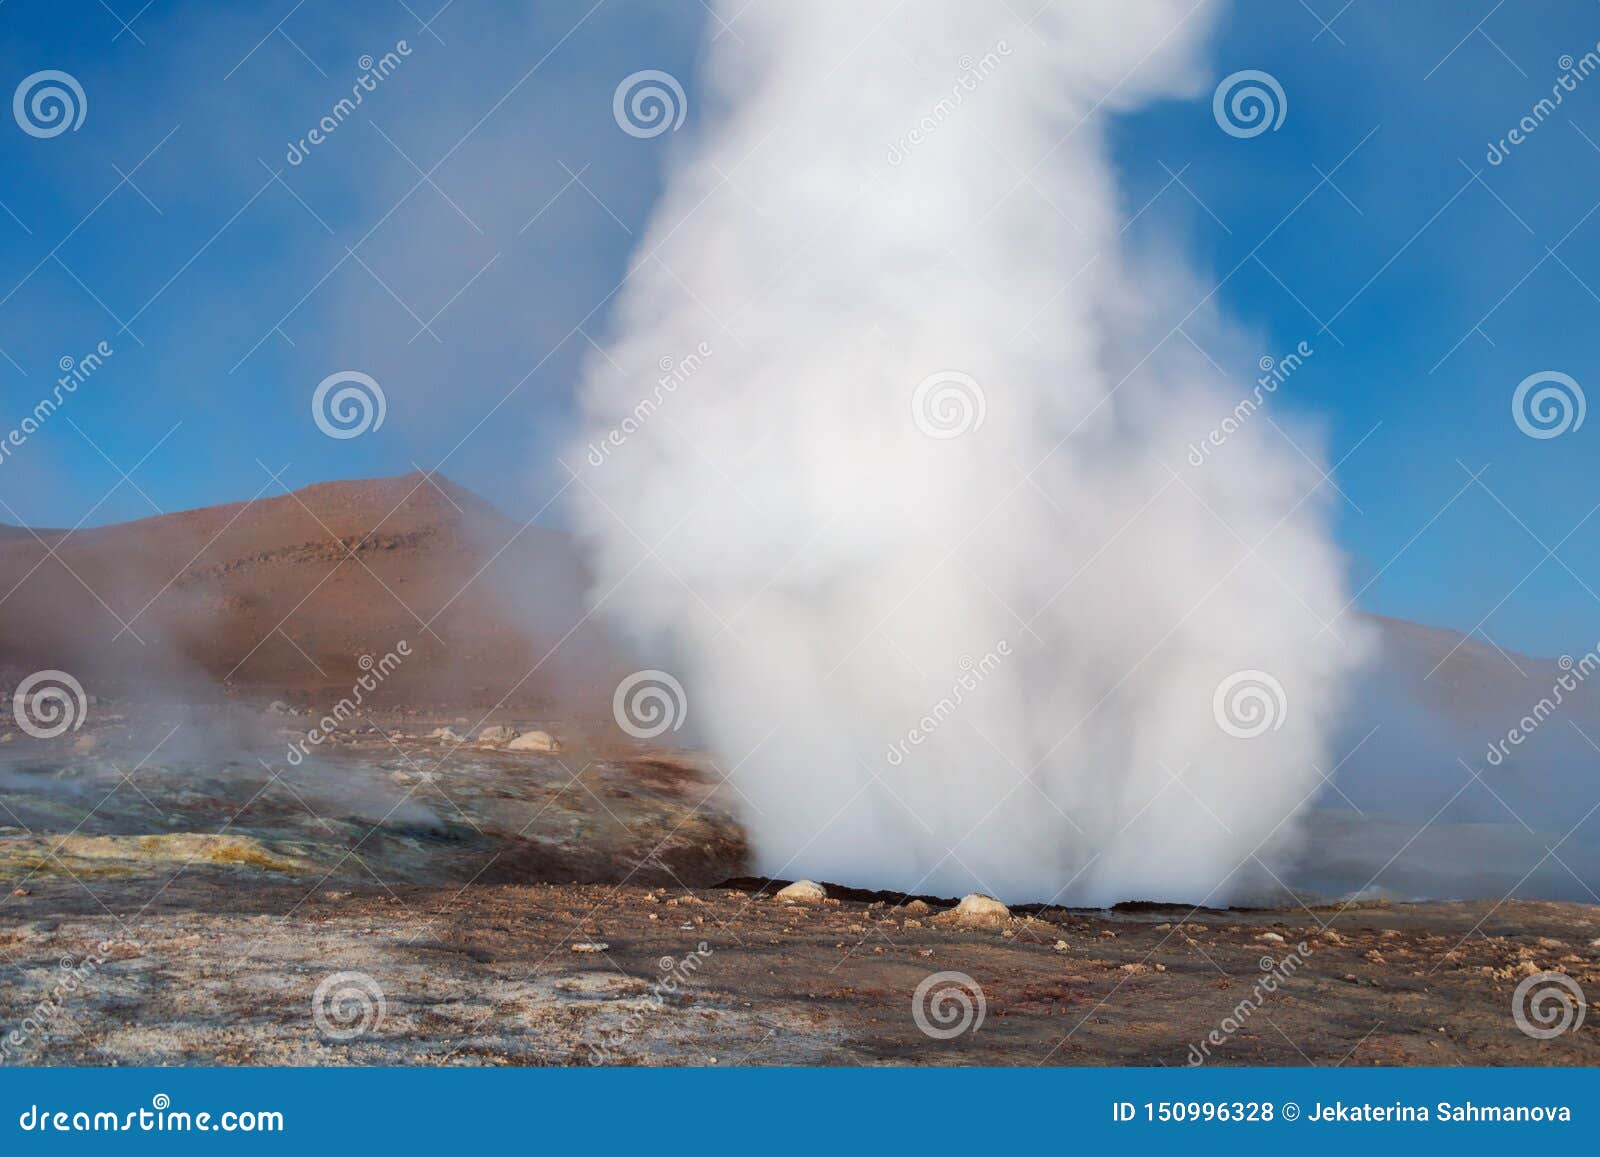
910, 516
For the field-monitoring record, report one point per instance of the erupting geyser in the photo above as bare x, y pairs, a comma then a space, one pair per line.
918, 534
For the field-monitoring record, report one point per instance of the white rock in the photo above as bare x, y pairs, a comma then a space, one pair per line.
445, 735
590, 946
499, 733
978, 906
802, 892
1270, 938
534, 741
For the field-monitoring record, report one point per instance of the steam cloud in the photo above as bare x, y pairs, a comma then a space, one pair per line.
919, 536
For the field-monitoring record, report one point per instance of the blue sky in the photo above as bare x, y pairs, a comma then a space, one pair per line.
229, 282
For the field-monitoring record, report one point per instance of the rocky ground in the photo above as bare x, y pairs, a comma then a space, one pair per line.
174, 890
588, 974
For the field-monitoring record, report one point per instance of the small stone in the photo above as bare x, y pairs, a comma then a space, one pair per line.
802, 892
21, 892
590, 946
1062, 946
279, 707
1270, 938
499, 733
916, 908
445, 735
534, 741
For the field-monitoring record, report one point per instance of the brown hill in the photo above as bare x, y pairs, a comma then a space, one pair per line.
286, 596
